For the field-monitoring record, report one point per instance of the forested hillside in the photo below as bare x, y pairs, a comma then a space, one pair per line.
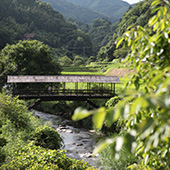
111, 8
100, 31
20, 19
87, 11
138, 15
79, 13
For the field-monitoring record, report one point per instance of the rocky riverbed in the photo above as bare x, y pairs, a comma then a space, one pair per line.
79, 143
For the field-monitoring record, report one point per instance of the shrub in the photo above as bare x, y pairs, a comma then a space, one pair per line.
3, 142
2, 156
110, 163
36, 157
47, 137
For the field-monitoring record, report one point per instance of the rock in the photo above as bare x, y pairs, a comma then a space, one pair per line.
69, 131
92, 131
79, 144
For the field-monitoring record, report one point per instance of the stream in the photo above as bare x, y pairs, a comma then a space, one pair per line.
79, 143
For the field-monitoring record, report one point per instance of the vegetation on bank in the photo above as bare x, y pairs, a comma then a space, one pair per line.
25, 143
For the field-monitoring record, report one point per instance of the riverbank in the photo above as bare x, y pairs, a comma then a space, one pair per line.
78, 142
26, 142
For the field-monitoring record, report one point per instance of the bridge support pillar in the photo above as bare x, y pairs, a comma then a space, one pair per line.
92, 104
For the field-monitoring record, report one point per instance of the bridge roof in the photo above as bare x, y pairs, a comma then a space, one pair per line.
62, 78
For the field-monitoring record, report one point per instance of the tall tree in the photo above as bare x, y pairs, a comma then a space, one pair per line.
27, 58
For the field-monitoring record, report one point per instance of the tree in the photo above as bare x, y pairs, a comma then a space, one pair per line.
27, 58
65, 61
78, 60
145, 107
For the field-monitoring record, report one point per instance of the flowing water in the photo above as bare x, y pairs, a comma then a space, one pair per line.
79, 143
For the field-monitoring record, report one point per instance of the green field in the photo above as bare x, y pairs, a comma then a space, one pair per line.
81, 70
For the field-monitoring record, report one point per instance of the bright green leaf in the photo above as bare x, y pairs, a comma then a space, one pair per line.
110, 117
99, 117
153, 20
80, 113
102, 145
119, 42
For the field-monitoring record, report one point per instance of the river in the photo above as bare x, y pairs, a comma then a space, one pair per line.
79, 143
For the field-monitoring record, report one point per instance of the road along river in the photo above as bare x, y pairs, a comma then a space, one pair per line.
79, 143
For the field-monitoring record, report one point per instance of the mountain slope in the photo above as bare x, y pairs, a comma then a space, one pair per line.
20, 19
110, 8
139, 15
75, 11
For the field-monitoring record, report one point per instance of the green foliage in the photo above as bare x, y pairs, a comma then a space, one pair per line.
100, 31
98, 116
47, 137
79, 13
113, 9
3, 142
65, 61
27, 58
91, 60
120, 53
138, 15
108, 161
13, 111
2, 156
36, 20
113, 101
17, 123
78, 61
18, 127
36, 157
145, 106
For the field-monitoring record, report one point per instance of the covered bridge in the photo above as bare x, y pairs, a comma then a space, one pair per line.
63, 87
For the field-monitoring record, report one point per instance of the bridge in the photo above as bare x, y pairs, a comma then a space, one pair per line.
63, 87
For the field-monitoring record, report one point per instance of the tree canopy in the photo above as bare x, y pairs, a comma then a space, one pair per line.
28, 57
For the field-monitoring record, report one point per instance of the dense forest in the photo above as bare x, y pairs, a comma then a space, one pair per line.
110, 8
21, 20
79, 13
87, 11
138, 15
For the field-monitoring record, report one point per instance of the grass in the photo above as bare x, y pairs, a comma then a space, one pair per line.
114, 68
81, 70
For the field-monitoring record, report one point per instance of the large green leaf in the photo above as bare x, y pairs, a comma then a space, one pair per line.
102, 145
99, 117
80, 113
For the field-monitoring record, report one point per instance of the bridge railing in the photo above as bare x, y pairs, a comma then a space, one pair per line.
45, 92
